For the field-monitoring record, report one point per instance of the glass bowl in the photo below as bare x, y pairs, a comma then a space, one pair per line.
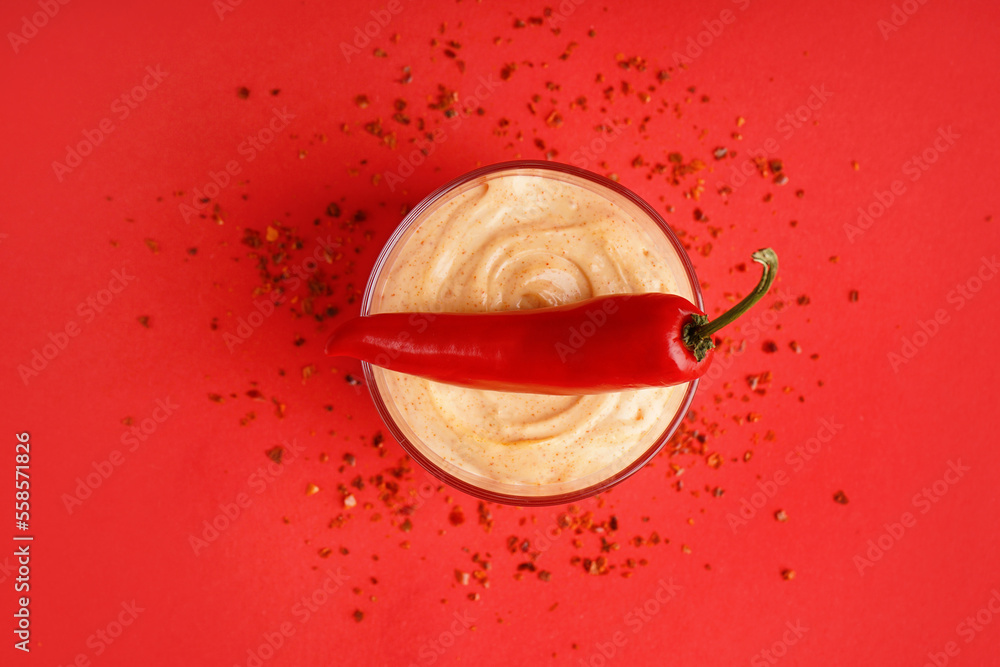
446, 462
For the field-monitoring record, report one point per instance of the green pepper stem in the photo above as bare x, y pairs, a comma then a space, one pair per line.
698, 333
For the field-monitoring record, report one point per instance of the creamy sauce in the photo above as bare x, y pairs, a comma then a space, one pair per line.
514, 242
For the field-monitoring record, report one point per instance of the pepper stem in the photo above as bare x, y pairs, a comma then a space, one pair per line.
698, 333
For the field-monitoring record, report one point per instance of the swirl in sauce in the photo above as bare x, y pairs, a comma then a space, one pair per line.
515, 242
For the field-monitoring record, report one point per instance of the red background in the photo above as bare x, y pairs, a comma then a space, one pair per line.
890, 92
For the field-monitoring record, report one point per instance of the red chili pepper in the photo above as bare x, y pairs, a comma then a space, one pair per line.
608, 343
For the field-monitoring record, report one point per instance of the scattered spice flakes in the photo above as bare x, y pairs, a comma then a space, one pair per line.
275, 453
153, 246
570, 48
853, 296
216, 398
279, 408
362, 101
391, 488
374, 128
769, 346
759, 381
325, 552
144, 320
855, 166
251, 238
804, 300
596, 566
554, 119
243, 92
781, 515
795, 347
311, 489
358, 615
350, 500
485, 517
788, 574
840, 497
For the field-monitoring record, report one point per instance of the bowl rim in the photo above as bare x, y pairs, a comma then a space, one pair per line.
411, 450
